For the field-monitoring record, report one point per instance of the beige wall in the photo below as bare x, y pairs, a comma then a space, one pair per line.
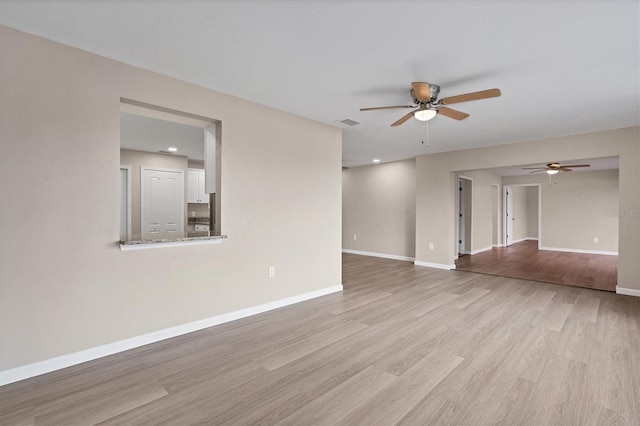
576, 207
532, 211
379, 207
137, 159
435, 180
64, 284
495, 215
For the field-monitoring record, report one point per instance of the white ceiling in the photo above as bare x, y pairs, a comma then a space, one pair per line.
606, 163
564, 67
153, 135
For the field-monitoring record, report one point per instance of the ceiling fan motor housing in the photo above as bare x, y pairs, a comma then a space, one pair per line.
434, 90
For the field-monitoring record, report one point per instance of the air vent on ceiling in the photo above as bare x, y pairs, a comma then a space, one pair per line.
349, 122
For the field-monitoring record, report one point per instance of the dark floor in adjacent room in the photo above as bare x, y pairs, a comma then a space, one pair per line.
523, 260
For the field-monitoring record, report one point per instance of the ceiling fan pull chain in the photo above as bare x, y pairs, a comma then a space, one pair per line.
427, 133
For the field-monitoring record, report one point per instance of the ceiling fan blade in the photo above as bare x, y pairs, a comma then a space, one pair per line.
537, 171
577, 165
564, 169
402, 119
452, 113
421, 91
388, 107
534, 168
491, 93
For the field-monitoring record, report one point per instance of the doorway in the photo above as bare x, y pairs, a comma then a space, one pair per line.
522, 213
464, 215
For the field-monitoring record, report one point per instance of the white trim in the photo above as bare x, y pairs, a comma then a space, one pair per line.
63, 361
524, 239
569, 250
434, 265
143, 246
482, 250
383, 255
628, 291
498, 245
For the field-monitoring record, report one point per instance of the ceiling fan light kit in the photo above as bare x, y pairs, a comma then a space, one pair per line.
425, 98
425, 114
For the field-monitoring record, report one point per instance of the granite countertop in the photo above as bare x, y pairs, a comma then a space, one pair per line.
171, 240
198, 220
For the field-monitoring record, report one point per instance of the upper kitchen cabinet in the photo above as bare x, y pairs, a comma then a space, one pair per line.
195, 187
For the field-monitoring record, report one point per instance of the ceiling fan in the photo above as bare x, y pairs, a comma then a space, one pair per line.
427, 105
553, 168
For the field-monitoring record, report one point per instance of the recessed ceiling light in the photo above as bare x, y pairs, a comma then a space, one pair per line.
376, 160
172, 149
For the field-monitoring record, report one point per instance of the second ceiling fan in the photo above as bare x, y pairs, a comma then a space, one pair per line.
553, 168
427, 105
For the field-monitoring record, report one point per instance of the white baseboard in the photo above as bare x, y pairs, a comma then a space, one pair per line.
482, 250
384, 255
524, 239
498, 245
628, 291
434, 265
566, 250
63, 361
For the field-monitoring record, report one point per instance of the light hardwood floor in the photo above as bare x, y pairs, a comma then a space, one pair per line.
523, 260
401, 345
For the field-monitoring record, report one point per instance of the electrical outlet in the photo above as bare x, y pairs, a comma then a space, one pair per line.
355, 237
431, 246
596, 239
272, 271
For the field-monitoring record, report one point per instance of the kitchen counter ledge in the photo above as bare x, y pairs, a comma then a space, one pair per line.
169, 242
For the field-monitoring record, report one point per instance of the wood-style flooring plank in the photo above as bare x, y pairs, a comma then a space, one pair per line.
402, 344
340, 401
393, 402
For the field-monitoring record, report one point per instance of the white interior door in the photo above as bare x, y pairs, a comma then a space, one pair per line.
162, 203
508, 216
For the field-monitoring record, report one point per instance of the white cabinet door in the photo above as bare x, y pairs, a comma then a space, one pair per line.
162, 206
195, 187
192, 186
202, 196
